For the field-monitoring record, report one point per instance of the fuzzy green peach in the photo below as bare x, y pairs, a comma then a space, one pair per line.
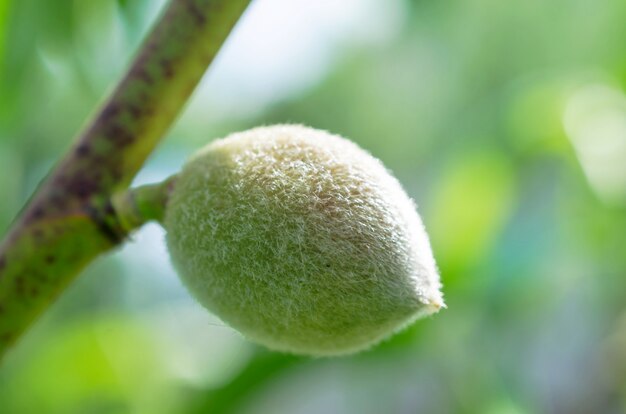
300, 240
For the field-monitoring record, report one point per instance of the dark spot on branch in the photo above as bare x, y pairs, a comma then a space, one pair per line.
196, 13
144, 97
168, 69
83, 150
34, 215
109, 210
140, 72
38, 212
82, 186
105, 220
119, 135
50, 259
135, 111
57, 201
111, 111
61, 179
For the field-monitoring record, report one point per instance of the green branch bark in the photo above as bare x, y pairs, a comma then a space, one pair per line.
71, 219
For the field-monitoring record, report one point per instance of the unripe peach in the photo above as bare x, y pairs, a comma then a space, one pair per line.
300, 240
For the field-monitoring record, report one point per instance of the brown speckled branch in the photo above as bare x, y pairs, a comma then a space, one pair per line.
70, 219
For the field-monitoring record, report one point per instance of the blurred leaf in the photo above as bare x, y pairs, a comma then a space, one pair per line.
471, 202
73, 372
534, 115
262, 368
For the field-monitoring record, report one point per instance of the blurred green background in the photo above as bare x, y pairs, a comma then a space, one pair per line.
505, 121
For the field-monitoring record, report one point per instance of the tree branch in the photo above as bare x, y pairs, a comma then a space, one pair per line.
70, 219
